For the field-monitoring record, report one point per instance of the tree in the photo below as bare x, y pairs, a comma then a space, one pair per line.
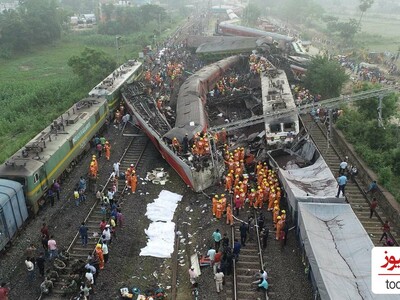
364, 5
251, 13
345, 30
325, 77
92, 65
369, 107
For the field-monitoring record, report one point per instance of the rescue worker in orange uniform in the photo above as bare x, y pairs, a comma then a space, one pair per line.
132, 168
242, 197
134, 180
100, 256
231, 165
92, 170
228, 183
175, 145
278, 195
214, 205
259, 198
241, 154
222, 136
107, 148
271, 200
223, 200
236, 155
283, 215
128, 174
252, 197
275, 213
96, 165
229, 216
237, 179
219, 210
200, 146
236, 191
279, 226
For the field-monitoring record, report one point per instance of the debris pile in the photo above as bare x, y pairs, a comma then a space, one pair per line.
157, 176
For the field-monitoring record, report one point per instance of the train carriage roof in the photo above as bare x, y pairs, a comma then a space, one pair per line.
116, 79
339, 251
229, 44
258, 32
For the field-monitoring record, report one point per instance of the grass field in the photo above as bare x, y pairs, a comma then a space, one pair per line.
38, 86
379, 32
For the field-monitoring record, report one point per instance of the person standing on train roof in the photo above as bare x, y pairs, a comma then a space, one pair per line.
107, 148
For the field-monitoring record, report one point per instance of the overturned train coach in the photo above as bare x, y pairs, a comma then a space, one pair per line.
191, 118
50, 153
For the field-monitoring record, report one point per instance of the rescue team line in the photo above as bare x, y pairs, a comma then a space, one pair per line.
32, 192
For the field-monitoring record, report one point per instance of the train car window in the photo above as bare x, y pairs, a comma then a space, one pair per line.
288, 127
97, 116
275, 128
35, 178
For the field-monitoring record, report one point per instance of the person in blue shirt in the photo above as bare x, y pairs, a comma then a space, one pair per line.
236, 249
217, 239
342, 181
263, 285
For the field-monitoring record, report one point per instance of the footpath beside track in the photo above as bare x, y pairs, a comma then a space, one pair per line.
355, 194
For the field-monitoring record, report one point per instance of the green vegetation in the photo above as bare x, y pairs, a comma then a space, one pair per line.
91, 65
38, 85
377, 146
33, 23
325, 77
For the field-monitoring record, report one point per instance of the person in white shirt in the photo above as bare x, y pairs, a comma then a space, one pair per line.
343, 166
219, 279
192, 275
89, 277
30, 268
211, 255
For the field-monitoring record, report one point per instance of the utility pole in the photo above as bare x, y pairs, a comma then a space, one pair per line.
117, 38
380, 121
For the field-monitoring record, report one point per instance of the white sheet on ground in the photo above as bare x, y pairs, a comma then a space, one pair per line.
161, 232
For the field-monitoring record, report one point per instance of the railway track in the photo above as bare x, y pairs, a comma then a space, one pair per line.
250, 262
134, 154
355, 195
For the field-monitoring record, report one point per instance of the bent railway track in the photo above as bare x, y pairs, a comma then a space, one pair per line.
355, 194
249, 263
135, 154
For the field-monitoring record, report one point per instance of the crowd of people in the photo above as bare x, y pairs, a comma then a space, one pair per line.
253, 187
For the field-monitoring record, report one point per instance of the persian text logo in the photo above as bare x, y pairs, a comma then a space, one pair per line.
385, 270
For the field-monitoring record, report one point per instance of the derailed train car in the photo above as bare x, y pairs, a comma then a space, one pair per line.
191, 118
